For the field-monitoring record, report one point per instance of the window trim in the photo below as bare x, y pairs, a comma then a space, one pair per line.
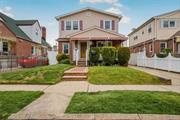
150, 47
168, 20
66, 24
160, 46
104, 26
63, 48
73, 24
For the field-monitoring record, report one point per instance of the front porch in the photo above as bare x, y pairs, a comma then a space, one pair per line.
80, 49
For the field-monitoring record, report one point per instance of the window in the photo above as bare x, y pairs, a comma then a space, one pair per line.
136, 37
66, 48
163, 45
142, 32
75, 25
172, 24
5, 46
33, 50
36, 32
165, 24
103, 43
68, 25
150, 48
107, 25
168, 23
149, 28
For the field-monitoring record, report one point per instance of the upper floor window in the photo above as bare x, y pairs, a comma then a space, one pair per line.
75, 25
149, 28
107, 25
168, 23
36, 32
136, 37
68, 25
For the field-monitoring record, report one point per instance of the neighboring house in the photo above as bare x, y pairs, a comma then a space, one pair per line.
85, 28
20, 37
156, 34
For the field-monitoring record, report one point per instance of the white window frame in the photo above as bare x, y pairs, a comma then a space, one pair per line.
165, 46
105, 43
168, 20
110, 24
148, 27
70, 24
150, 47
63, 48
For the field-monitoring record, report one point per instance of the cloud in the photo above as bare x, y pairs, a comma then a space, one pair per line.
7, 11
115, 8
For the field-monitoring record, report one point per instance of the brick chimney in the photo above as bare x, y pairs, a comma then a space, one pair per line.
43, 29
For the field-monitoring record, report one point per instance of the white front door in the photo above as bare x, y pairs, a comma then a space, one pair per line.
178, 48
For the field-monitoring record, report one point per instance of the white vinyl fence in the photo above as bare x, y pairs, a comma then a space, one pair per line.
52, 57
169, 63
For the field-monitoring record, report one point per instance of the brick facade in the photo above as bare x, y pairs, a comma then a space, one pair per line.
19, 47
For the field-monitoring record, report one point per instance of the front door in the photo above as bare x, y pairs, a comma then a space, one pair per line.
83, 49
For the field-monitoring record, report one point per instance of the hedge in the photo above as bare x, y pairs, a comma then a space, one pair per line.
123, 56
94, 55
109, 55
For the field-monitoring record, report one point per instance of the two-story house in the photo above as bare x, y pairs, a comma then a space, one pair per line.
20, 37
156, 34
85, 28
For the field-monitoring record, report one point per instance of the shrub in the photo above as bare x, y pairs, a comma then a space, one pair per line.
167, 51
109, 55
65, 61
61, 57
123, 56
94, 55
160, 55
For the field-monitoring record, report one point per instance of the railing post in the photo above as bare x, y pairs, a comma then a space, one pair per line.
86, 57
76, 56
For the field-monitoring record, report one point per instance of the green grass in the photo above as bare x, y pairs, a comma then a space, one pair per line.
140, 102
121, 75
39, 75
12, 102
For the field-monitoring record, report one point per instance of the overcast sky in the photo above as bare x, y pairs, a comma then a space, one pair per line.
134, 12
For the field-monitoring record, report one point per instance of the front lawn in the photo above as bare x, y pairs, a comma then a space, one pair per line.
140, 102
121, 75
39, 75
12, 102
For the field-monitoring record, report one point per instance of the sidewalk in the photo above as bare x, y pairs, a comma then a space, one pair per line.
175, 77
53, 103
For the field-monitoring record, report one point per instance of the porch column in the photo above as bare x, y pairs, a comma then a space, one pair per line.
72, 47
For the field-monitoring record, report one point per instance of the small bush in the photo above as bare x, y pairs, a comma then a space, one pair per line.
160, 55
109, 55
167, 51
65, 61
123, 56
61, 57
94, 55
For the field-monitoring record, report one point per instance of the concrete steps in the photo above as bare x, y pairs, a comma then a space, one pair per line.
76, 74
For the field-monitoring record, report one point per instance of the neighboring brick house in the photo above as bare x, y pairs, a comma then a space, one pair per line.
85, 28
156, 34
20, 37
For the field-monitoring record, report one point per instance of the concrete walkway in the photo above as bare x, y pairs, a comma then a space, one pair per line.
53, 103
175, 77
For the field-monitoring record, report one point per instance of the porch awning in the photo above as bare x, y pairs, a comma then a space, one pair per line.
96, 33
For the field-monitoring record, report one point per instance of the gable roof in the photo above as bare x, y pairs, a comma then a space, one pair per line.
11, 24
91, 9
106, 34
151, 19
177, 34
25, 22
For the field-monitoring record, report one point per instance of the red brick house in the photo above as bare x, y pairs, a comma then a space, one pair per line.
156, 34
18, 38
